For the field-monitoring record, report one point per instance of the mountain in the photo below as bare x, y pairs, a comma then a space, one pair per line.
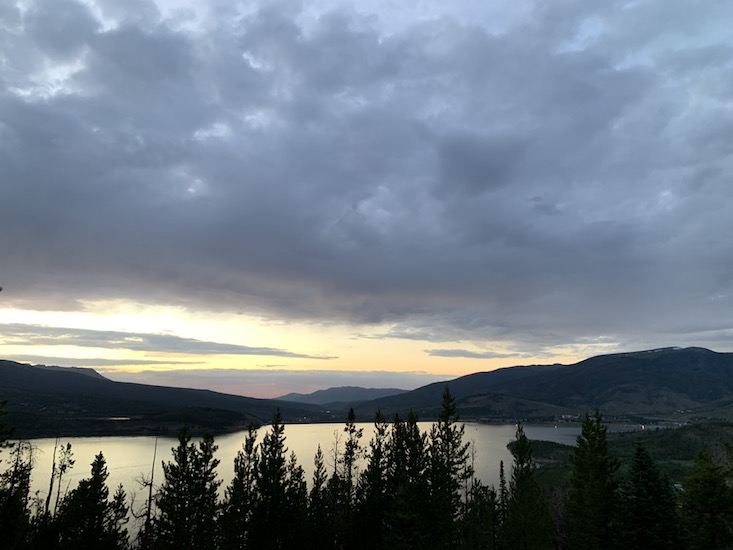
43, 401
654, 382
342, 394
679, 383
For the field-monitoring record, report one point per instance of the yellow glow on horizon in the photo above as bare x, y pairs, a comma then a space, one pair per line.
355, 348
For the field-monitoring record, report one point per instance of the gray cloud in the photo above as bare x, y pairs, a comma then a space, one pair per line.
19, 334
468, 354
556, 172
89, 362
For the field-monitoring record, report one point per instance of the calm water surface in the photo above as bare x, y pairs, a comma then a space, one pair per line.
131, 458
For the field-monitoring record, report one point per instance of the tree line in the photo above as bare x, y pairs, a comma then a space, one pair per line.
405, 489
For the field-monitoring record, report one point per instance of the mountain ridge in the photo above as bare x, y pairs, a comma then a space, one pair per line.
681, 383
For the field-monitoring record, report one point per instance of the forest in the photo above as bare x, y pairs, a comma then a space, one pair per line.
405, 489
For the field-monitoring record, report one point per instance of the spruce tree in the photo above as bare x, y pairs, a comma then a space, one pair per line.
296, 505
448, 469
592, 501
707, 504
87, 519
480, 522
408, 527
240, 496
187, 500
528, 520
269, 517
650, 506
372, 495
14, 497
321, 536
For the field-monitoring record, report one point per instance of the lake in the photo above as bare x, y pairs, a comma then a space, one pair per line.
130, 458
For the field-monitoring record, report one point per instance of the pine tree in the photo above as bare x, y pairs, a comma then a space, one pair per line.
528, 521
408, 526
14, 497
372, 495
448, 469
240, 496
707, 504
321, 536
87, 519
480, 523
296, 505
650, 520
187, 500
593, 502
269, 517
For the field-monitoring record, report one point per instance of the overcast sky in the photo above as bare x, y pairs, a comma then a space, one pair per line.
431, 188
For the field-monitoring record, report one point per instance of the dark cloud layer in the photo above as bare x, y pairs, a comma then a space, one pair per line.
561, 176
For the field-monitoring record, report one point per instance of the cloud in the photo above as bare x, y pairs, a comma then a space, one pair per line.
19, 334
530, 170
89, 362
471, 354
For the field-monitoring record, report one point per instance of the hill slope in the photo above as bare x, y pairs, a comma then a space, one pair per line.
659, 381
47, 401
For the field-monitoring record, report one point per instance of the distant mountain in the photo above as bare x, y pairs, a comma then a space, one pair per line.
46, 401
80, 370
342, 394
654, 382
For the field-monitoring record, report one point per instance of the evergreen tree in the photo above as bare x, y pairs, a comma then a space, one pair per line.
528, 521
448, 469
592, 502
372, 496
187, 500
480, 523
87, 519
408, 526
296, 505
707, 504
14, 497
269, 517
503, 502
240, 496
352, 452
650, 521
321, 535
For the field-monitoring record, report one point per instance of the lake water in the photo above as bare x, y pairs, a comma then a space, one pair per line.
130, 458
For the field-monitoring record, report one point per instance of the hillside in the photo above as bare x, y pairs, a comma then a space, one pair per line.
44, 401
669, 383
688, 382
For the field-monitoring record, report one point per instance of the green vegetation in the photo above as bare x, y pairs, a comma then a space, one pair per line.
416, 490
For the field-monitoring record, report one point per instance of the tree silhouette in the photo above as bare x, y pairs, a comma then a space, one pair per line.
593, 503
650, 507
528, 521
707, 504
87, 519
187, 501
241, 496
447, 470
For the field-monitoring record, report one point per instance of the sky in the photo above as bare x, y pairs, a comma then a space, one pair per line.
269, 196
